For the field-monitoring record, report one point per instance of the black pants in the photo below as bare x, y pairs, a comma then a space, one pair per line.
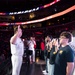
42, 55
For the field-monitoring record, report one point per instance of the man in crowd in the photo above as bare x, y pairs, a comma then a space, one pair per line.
64, 61
48, 39
17, 50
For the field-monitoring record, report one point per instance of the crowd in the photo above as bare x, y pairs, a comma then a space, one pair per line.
56, 52
59, 56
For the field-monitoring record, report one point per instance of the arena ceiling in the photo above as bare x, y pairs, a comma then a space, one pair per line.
17, 5
20, 5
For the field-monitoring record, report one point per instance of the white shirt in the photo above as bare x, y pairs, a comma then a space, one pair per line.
17, 48
31, 44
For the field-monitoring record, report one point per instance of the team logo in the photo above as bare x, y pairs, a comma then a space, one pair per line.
60, 51
54, 52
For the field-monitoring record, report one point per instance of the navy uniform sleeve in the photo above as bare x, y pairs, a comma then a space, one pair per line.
69, 55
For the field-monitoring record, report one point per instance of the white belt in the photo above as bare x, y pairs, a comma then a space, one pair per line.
16, 55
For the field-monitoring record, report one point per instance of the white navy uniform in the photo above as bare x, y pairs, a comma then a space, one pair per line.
17, 51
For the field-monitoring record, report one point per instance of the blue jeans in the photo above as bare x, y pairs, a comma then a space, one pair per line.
51, 69
47, 64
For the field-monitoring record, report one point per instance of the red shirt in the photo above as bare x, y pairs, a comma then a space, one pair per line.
42, 45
